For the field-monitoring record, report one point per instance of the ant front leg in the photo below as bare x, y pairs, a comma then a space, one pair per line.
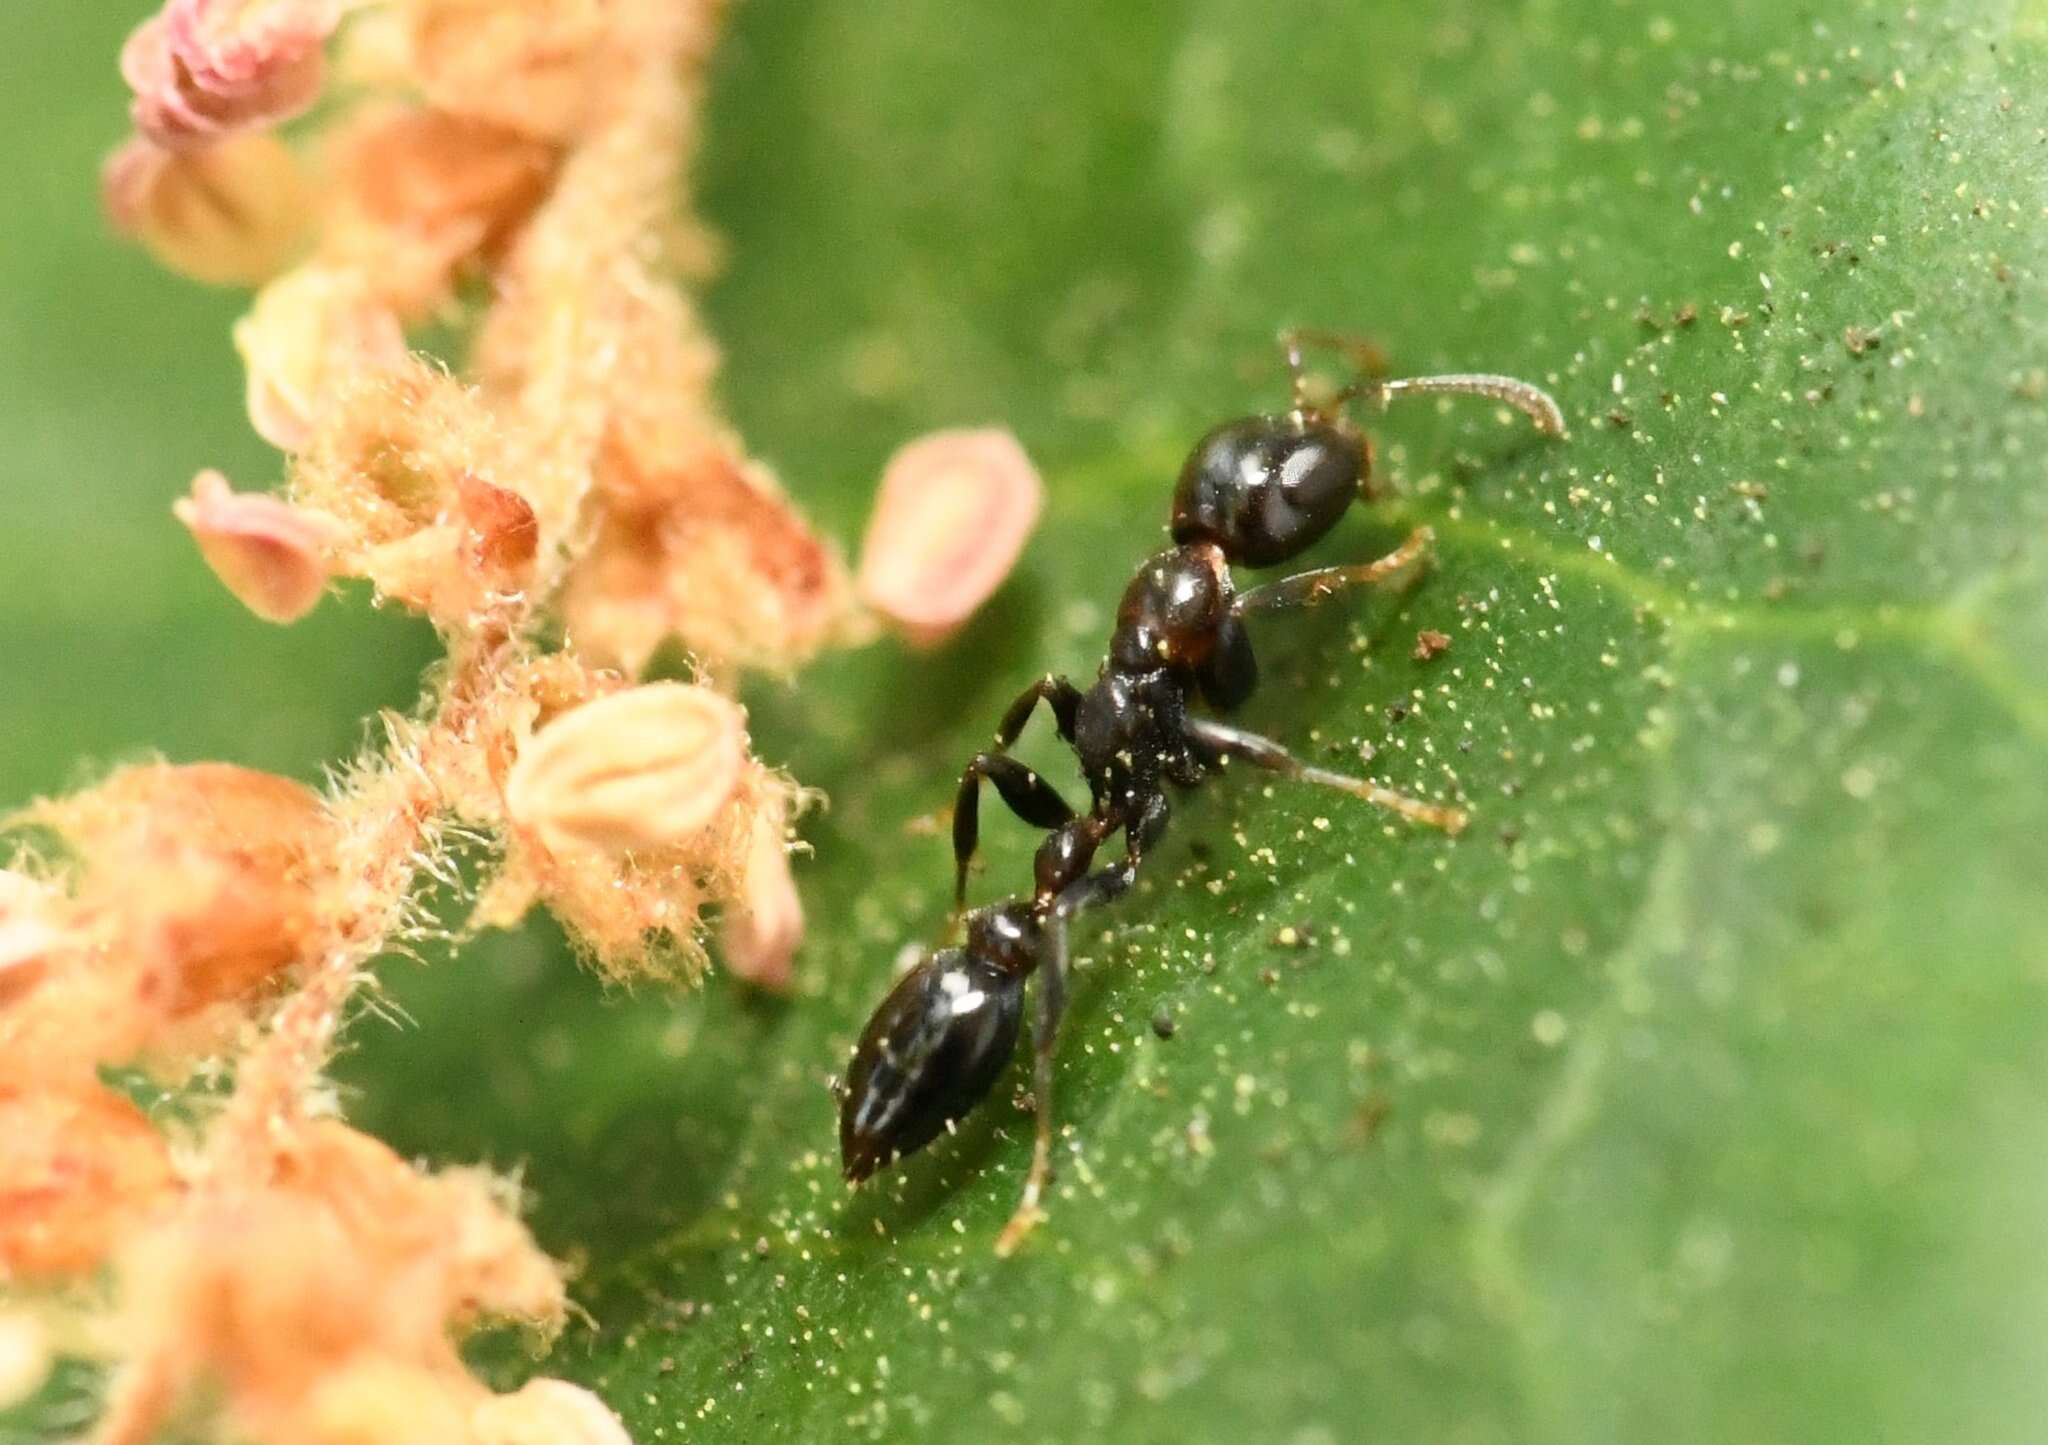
1064, 697
1365, 357
1305, 589
1225, 741
1030, 797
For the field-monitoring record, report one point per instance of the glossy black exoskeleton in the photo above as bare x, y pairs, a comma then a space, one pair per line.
1255, 492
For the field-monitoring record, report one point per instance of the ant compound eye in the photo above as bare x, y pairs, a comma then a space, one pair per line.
1265, 488
930, 1053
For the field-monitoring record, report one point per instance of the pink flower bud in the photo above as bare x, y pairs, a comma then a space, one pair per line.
203, 69
270, 554
642, 769
765, 923
954, 511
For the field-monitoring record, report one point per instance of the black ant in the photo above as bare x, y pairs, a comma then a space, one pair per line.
1256, 492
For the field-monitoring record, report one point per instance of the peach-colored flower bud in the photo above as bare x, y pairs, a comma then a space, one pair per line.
645, 768
205, 68
419, 196
429, 170
209, 874
310, 331
233, 214
271, 555
764, 924
537, 67
30, 932
77, 1167
547, 1412
954, 511
485, 1262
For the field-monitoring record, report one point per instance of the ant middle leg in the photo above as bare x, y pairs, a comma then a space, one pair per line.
1028, 794
1260, 751
1305, 589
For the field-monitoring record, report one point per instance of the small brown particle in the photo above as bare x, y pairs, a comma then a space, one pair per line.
1860, 340
1687, 314
1162, 1024
1429, 644
1367, 1118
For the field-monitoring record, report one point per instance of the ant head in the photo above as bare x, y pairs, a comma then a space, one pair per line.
933, 1049
1267, 488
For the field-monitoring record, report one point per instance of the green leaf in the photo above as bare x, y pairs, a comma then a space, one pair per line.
1695, 1093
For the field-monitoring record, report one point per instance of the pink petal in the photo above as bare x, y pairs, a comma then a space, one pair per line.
953, 513
270, 554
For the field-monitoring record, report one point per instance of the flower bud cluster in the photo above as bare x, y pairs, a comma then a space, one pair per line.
566, 504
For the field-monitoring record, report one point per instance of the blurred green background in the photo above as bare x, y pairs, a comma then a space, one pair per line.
1695, 1094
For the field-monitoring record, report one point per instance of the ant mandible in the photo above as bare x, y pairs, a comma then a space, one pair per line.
1256, 492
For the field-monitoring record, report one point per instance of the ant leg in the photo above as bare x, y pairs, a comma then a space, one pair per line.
1263, 752
1230, 673
1096, 888
1526, 397
1030, 797
1052, 1003
1304, 589
1365, 357
1064, 697
1012, 780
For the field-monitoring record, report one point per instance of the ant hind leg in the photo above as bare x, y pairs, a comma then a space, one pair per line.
1263, 752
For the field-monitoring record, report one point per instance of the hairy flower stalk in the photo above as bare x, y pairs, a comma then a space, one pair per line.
565, 508
288, 1277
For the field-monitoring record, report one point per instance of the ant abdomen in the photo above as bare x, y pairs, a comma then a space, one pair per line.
930, 1053
1267, 488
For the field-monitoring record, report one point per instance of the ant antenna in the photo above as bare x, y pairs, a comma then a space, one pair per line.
1526, 397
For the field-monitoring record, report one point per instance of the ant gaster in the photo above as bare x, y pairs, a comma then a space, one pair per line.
1255, 493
